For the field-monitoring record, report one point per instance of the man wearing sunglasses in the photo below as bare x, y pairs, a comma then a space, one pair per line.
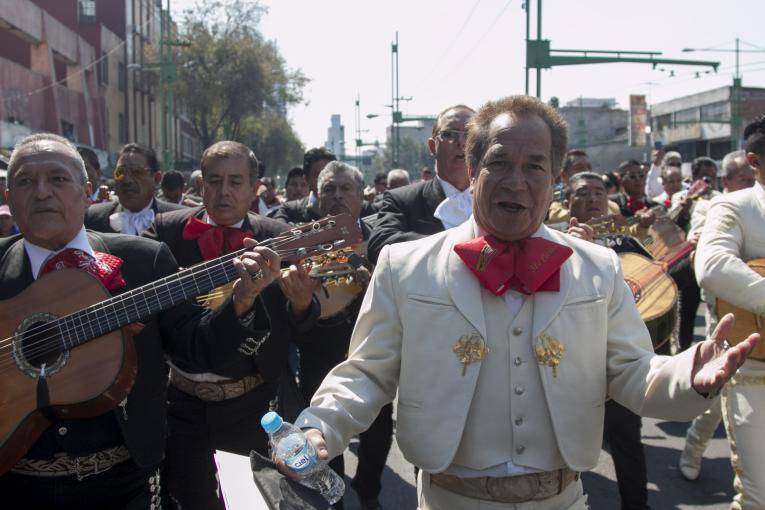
428, 207
136, 176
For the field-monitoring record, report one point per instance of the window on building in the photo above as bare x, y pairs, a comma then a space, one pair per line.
715, 111
687, 116
67, 131
102, 70
121, 85
86, 10
661, 122
122, 128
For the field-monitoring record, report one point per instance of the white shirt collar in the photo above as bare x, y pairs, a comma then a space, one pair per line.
209, 220
38, 255
449, 190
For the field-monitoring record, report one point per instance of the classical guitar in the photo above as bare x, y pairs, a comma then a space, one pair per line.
66, 347
746, 321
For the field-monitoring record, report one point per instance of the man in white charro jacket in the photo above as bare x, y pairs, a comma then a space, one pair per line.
504, 339
733, 234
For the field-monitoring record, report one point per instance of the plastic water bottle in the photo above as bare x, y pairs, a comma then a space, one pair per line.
298, 454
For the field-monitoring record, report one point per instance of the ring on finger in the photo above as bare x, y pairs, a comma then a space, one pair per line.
257, 275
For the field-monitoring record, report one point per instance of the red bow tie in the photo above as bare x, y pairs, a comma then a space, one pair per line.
214, 241
103, 266
527, 266
635, 204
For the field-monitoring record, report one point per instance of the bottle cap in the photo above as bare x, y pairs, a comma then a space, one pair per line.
271, 422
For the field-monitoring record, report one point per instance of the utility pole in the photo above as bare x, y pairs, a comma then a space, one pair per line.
167, 77
540, 56
395, 104
735, 119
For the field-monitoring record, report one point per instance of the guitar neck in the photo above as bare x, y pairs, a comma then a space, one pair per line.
147, 300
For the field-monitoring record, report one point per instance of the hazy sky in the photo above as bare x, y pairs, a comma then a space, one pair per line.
471, 51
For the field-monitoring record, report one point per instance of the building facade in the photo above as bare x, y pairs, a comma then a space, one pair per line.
86, 70
700, 124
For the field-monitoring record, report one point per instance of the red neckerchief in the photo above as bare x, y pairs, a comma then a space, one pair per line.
214, 241
103, 266
529, 265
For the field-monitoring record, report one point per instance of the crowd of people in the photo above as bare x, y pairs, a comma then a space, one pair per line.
489, 300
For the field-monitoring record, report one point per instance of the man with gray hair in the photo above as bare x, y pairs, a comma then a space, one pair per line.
109, 459
398, 177
340, 187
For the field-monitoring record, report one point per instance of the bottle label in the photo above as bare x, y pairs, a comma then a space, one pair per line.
303, 460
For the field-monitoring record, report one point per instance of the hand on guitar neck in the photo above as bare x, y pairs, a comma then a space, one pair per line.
257, 268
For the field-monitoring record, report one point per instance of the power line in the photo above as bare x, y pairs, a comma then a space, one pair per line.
448, 49
478, 43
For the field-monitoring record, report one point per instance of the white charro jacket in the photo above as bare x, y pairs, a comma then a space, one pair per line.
422, 299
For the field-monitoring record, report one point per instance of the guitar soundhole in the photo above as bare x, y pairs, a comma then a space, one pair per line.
37, 343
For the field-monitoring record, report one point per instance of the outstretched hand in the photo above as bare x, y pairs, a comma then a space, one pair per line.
715, 363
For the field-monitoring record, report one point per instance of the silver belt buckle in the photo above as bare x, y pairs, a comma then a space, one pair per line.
209, 391
513, 489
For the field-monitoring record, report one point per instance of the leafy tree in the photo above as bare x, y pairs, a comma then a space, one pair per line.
235, 84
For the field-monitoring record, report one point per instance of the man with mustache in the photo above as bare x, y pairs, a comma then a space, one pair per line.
503, 338
222, 409
136, 176
427, 207
112, 460
341, 188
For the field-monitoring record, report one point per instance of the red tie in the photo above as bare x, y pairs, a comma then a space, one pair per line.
103, 266
527, 266
214, 241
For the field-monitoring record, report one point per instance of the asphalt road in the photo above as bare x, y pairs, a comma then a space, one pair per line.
663, 442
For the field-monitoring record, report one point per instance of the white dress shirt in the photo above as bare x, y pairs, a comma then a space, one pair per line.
653, 186
38, 255
456, 208
132, 223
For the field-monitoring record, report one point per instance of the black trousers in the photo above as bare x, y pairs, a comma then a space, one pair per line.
690, 298
123, 487
622, 433
198, 428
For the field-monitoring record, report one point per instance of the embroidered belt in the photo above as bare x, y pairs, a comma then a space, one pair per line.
216, 391
64, 465
509, 489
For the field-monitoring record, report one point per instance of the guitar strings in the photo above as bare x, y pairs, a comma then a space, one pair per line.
218, 271
272, 243
131, 294
50, 345
44, 345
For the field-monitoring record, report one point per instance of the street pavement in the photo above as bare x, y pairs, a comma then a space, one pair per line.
667, 489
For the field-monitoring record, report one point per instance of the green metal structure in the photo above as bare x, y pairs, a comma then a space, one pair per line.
539, 54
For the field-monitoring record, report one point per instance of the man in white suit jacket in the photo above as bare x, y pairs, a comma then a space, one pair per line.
733, 234
500, 398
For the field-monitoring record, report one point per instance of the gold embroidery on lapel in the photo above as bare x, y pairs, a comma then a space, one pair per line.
470, 348
534, 266
549, 351
484, 257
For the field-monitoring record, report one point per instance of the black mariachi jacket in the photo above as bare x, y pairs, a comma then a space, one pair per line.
270, 358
